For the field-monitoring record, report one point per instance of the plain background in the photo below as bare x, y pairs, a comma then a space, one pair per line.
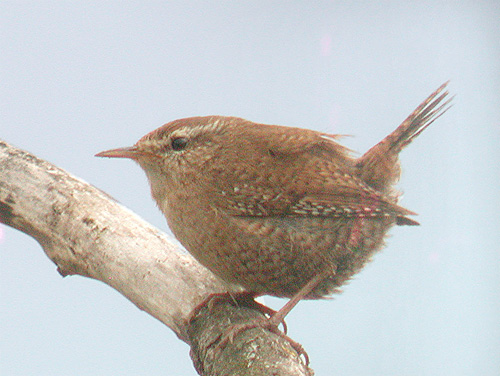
81, 77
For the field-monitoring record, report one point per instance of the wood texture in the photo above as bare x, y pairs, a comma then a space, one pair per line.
85, 232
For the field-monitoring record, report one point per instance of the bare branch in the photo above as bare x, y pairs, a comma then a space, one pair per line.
84, 231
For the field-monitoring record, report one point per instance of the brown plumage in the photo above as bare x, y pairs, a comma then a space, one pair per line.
270, 208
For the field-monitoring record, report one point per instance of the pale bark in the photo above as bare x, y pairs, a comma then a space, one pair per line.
84, 231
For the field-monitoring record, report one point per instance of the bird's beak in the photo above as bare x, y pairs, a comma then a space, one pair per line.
129, 152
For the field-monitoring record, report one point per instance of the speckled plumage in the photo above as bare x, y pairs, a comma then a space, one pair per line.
268, 207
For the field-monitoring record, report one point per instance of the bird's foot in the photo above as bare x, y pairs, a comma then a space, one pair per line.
264, 323
245, 299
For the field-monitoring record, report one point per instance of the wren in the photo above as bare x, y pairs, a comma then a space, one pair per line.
277, 210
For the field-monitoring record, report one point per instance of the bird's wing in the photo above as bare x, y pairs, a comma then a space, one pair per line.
316, 179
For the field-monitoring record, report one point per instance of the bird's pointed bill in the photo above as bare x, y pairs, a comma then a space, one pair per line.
126, 152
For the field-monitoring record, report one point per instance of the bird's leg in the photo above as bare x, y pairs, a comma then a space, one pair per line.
245, 298
279, 316
275, 319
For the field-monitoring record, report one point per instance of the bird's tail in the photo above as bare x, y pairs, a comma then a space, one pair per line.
379, 166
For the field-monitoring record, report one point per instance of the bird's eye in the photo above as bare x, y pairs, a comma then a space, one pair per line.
179, 143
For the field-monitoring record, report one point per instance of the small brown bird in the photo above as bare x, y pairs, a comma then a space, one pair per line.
277, 210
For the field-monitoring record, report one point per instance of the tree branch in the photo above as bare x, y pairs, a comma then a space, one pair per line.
84, 231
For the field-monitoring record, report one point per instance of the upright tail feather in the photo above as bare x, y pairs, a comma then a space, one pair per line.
381, 161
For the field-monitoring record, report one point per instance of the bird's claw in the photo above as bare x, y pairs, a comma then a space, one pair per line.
228, 337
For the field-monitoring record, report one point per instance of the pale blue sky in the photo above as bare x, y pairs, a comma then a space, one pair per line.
81, 77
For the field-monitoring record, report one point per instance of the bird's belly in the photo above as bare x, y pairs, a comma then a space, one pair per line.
277, 256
